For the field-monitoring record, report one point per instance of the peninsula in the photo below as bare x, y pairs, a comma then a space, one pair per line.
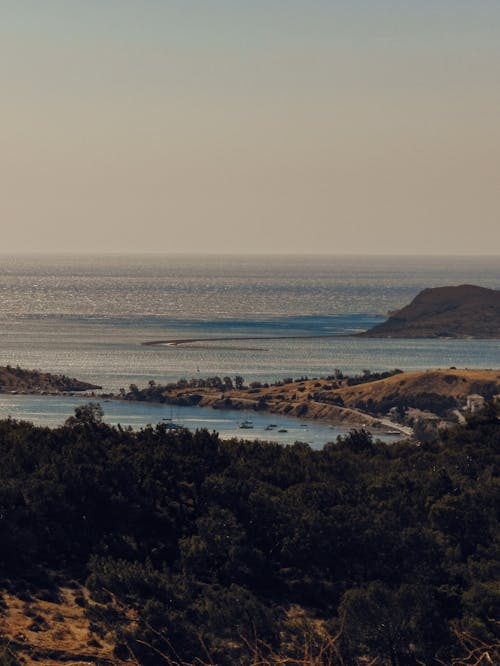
448, 312
392, 400
21, 380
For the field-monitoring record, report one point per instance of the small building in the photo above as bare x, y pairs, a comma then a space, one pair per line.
475, 403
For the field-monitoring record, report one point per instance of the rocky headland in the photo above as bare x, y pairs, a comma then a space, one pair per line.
20, 380
448, 312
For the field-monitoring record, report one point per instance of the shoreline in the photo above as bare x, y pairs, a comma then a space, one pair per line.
364, 401
382, 430
328, 414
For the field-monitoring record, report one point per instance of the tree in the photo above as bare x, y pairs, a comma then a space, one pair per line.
402, 625
358, 441
91, 413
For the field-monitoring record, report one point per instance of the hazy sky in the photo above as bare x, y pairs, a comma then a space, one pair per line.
250, 125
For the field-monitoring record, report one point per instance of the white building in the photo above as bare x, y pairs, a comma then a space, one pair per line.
475, 403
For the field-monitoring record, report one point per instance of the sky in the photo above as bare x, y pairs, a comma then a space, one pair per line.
262, 126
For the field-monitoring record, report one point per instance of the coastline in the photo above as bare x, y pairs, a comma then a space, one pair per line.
371, 400
329, 415
313, 400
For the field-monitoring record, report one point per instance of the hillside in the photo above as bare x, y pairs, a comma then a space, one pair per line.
456, 384
169, 547
455, 312
19, 380
341, 400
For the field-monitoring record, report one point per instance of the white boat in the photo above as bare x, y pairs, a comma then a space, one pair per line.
246, 425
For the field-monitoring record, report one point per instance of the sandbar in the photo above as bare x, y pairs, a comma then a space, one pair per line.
186, 342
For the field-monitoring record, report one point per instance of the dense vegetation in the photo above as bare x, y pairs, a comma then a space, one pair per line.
216, 544
432, 402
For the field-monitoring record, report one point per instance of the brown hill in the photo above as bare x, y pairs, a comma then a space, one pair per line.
352, 401
456, 312
453, 383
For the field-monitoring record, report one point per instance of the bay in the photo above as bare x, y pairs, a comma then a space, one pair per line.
88, 316
52, 411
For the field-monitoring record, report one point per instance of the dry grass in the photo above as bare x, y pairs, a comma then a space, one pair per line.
453, 383
53, 632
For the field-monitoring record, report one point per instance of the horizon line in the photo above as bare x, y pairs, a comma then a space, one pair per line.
153, 253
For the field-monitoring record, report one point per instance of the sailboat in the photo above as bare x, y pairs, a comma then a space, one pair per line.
168, 421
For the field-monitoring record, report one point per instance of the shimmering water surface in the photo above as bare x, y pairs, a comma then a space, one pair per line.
87, 316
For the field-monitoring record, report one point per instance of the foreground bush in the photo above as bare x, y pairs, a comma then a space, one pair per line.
197, 550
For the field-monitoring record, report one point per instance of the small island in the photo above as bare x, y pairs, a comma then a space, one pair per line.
465, 311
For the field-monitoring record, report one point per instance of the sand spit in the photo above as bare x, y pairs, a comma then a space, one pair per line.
205, 342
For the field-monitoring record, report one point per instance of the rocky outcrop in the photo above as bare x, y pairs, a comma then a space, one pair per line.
19, 380
453, 312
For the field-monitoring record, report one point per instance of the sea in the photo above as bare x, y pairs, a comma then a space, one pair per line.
89, 317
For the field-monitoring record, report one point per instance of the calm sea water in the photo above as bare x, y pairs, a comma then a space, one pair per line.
86, 316
54, 410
